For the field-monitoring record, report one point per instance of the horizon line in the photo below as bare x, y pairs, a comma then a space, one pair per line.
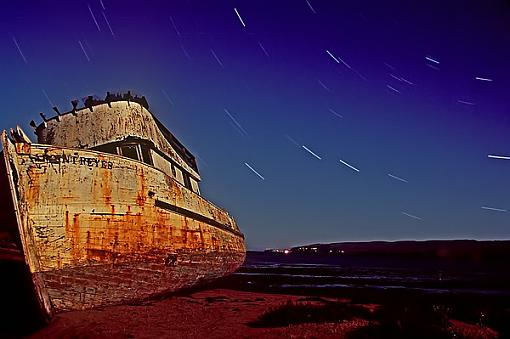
366, 241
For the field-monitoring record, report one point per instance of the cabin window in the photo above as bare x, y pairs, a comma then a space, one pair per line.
194, 185
108, 148
161, 163
178, 175
130, 151
140, 152
146, 155
186, 180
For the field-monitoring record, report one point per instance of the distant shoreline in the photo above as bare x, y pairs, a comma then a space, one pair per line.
458, 250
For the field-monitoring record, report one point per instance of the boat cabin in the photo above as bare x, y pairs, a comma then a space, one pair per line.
122, 124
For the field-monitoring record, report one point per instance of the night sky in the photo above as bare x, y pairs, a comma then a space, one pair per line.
312, 121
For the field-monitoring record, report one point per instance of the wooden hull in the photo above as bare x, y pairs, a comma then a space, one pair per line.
99, 229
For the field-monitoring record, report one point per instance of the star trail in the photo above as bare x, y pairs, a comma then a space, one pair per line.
415, 96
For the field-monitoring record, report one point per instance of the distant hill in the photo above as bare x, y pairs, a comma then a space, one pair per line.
471, 250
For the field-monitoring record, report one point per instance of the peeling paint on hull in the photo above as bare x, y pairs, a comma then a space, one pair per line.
93, 234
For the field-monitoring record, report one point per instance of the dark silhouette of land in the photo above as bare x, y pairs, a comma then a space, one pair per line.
463, 250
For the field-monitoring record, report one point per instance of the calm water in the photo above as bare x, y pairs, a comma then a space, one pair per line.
274, 271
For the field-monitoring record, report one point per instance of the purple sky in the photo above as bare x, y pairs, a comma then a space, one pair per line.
364, 118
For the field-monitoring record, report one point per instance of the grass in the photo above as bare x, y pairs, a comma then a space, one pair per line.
293, 313
391, 320
408, 321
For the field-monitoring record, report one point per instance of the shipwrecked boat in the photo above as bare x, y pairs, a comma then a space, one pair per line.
106, 209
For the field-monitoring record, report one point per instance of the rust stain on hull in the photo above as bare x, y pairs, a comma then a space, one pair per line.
94, 234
